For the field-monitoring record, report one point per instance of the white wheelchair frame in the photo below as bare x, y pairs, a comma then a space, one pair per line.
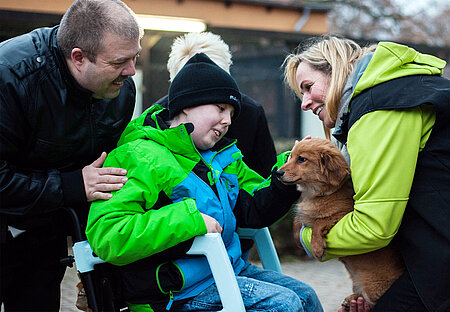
213, 248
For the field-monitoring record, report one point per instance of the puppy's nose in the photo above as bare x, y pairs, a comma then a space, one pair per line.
279, 173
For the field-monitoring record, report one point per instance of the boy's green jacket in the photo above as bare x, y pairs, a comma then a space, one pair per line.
146, 226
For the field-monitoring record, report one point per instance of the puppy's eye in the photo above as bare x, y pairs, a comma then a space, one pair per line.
301, 159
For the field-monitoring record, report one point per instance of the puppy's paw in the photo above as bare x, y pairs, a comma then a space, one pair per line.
318, 248
296, 228
346, 303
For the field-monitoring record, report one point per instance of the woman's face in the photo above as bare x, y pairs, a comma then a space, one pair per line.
211, 122
314, 85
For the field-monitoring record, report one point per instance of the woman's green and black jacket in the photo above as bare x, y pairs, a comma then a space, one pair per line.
147, 226
397, 133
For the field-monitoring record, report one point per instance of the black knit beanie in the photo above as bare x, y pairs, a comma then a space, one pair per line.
199, 82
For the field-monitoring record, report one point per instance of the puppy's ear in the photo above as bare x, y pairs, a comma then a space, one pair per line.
334, 167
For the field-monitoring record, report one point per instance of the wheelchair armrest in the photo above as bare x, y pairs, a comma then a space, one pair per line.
84, 257
264, 245
211, 246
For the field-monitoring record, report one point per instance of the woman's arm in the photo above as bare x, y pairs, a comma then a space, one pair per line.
383, 147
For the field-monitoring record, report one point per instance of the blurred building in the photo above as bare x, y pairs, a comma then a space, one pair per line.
260, 35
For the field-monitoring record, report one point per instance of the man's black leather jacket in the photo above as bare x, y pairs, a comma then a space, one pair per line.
50, 128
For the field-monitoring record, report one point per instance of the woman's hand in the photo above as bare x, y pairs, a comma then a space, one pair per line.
212, 226
308, 137
359, 305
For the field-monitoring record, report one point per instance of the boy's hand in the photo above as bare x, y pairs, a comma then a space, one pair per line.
212, 226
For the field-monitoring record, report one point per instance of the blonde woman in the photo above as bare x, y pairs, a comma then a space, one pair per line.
389, 108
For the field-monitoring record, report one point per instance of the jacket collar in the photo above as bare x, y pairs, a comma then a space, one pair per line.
341, 128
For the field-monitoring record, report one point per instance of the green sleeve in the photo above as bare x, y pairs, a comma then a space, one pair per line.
383, 148
125, 228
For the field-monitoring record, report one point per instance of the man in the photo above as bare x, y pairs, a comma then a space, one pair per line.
66, 97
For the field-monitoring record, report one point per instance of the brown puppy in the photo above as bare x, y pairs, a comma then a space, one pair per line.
321, 173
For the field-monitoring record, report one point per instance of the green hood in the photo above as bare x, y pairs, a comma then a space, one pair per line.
391, 60
176, 139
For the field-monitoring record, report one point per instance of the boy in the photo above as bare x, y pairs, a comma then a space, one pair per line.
185, 179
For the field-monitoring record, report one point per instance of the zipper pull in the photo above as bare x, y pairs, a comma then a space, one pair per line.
169, 305
210, 178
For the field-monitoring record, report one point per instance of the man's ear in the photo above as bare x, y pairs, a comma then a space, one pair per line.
78, 58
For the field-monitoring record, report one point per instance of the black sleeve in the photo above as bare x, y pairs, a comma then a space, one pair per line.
253, 137
266, 206
22, 190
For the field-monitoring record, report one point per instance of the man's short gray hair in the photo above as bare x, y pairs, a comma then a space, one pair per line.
86, 21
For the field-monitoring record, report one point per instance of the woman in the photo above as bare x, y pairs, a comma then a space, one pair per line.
389, 108
186, 179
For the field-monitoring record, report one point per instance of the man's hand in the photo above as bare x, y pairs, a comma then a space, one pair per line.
212, 226
359, 305
99, 182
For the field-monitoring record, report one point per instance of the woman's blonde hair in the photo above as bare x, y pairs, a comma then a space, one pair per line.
186, 46
331, 55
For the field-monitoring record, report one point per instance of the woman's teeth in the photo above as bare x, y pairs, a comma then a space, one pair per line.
319, 110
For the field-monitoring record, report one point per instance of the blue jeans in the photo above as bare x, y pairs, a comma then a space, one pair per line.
262, 290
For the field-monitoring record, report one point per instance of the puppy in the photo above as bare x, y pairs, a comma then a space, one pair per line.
321, 173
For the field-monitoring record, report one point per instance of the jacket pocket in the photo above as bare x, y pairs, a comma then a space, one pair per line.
50, 152
168, 277
146, 281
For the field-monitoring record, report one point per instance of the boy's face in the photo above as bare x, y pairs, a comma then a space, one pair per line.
211, 122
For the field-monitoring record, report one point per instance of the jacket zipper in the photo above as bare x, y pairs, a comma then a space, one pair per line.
169, 304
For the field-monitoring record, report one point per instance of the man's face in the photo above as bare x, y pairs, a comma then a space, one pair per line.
113, 65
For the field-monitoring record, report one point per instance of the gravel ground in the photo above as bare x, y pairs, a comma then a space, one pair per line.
329, 279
